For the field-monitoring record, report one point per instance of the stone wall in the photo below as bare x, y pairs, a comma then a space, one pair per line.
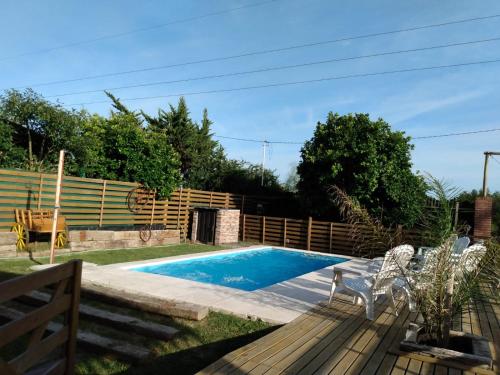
104, 239
8, 244
227, 226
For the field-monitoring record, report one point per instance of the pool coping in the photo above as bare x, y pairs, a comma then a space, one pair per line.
278, 303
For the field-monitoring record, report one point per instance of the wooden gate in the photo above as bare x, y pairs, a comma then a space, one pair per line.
32, 337
207, 220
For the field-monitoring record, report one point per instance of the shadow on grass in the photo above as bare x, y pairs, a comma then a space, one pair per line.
192, 360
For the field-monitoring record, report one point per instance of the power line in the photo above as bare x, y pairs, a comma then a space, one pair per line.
262, 52
301, 143
290, 83
281, 67
494, 158
141, 30
454, 134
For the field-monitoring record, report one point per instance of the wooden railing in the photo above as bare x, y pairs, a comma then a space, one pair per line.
310, 234
65, 300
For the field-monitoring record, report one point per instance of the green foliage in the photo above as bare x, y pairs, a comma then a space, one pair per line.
367, 160
436, 223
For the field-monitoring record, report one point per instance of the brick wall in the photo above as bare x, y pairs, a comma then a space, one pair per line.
227, 227
482, 218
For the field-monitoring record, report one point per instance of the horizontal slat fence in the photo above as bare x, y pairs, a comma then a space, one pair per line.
96, 203
315, 235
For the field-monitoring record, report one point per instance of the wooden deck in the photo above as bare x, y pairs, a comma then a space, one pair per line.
339, 340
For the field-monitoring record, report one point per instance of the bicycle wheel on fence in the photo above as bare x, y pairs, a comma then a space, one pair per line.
138, 197
145, 233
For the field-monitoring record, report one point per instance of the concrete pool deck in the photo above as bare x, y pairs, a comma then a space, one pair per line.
279, 303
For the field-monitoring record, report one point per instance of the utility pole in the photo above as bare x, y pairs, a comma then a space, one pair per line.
487, 155
265, 144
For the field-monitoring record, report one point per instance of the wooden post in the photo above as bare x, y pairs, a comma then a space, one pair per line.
226, 203
485, 175
179, 209
455, 221
284, 232
40, 192
211, 196
165, 213
72, 317
153, 209
331, 234
263, 229
60, 169
309, 230
243, 228
101, 214
242, 204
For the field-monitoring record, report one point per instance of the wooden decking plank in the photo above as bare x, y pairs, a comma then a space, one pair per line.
310, 329
387, 334
290, 354
315, 358
414, 367
387, 364
400, 366
279, 333
296, 366
345, 342
237, 358
427, 368
378, 328
379, 353
494, 327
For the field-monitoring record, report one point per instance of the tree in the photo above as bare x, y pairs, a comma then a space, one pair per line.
133, 153
40, 127
199, 154
292, 180
10, 154
368, 161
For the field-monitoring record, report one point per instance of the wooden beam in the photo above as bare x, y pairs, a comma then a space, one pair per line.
309, 230
101, 213
263, 229
284, 232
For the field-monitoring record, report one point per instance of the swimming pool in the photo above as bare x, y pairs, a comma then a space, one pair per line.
247, 270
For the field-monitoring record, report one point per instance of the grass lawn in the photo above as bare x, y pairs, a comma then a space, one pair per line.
196, 345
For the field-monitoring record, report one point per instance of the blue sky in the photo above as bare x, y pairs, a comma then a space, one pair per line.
420, 103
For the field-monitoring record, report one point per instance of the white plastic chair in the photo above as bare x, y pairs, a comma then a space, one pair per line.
467, 261
368, 288
460, 244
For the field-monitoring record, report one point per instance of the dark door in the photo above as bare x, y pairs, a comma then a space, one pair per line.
206, 226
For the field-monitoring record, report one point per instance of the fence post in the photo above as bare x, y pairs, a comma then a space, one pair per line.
40, 192
455, 221
211, 196
309, 229
263, 229
284, 232
243, 228
165, 213
331, 233
226, 203
179, 209
101, 213
242, 204
153, 209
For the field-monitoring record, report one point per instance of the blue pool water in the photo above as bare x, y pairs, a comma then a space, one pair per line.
247, 270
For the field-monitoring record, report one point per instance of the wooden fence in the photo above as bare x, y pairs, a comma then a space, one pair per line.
316, 235
95, 203
64, 301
